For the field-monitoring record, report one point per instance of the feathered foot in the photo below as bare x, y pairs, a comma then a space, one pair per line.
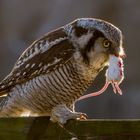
62, 113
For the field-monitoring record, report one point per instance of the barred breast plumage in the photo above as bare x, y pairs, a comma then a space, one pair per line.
64, 85
55, 70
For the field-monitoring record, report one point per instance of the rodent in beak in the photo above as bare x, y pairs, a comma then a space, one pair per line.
114, 76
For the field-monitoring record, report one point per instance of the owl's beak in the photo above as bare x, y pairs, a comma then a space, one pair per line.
118, 52
121, 52
122, 56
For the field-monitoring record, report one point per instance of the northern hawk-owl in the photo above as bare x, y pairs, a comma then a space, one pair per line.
57, 69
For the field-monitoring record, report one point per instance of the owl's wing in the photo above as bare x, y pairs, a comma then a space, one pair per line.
43, 56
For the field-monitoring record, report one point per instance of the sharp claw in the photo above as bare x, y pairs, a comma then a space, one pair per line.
83, 116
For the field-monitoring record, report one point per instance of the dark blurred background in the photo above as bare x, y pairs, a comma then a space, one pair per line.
23, 21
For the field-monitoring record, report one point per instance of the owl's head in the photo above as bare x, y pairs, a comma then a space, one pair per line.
99, 43
95, 37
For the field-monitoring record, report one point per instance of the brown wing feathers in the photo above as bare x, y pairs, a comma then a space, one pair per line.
59, 51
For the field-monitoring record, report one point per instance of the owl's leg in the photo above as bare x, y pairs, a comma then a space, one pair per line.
61, 113
71, 107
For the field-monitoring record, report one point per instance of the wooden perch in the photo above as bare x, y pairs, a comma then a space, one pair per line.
43, 129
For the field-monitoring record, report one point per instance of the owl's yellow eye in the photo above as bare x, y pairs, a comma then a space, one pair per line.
106, 43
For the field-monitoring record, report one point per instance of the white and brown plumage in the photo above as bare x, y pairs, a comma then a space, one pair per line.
55, 70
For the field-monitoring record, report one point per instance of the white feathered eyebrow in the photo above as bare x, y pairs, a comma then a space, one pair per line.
82, 40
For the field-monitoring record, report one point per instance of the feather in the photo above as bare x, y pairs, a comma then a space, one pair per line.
42, 57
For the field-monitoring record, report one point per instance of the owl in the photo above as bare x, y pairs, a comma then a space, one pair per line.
55, 70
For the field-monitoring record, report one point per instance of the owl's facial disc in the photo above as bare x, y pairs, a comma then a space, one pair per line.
112, 49
117, 51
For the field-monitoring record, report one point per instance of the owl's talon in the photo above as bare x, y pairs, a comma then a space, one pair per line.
83, 116
62, 113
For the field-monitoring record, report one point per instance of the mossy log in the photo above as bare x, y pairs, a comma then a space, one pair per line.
42, 129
